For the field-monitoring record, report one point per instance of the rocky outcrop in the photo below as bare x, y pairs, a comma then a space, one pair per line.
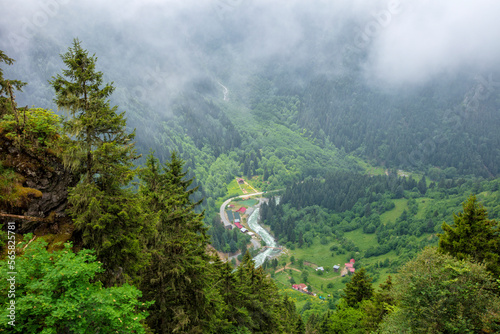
44, 173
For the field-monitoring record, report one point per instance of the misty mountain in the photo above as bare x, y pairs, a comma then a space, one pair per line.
400, 84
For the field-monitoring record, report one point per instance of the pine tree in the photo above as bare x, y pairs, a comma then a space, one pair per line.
100, 151
359, 288
7, 87
180, 276
233, 311
260, 297
300, 328
8, 103
422, 185
379, 305
472, 236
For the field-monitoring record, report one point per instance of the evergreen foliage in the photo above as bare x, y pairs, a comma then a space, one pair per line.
7, 87
358, 289
472, 236
378, 306
100, 152
155, 237
255, 301
180, 272
40, 130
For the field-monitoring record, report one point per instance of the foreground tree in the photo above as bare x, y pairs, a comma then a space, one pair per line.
181, 273
101, 152
56, 293
358, 288
437, 293
345, 319
254, 299
378, 306
473, 236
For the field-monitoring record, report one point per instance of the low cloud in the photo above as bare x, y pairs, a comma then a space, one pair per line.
157, 47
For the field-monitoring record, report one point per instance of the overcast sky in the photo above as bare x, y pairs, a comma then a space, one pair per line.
405, 42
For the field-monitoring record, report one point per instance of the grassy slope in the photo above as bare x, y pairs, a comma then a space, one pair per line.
392, 215
320, 255
277, 137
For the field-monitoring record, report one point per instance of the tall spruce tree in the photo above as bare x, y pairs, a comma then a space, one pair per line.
259, 297
473, 236
100, 151
359, 288
181, 274
7, 88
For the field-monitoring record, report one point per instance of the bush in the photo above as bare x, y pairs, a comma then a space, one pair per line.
438, 291
37, 129
56, 293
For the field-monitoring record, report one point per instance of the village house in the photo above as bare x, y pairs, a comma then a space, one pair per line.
350, 266
300, 287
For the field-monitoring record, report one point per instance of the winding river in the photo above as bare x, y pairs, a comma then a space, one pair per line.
268, 238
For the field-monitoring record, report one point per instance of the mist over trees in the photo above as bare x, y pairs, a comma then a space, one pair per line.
371, 123
358, 86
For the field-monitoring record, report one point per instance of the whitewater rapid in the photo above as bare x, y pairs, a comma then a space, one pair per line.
268, 238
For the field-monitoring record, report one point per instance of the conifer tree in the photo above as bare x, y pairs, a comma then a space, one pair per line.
260, 298
233, 311
359, 288
473, 236
378, 306
8, 103
7, 87
180, 276
100, 151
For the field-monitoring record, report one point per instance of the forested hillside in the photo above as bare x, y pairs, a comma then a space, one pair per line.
176, 99
349, 131
129, 260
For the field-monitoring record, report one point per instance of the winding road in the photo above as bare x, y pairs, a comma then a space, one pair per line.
222, 210
253, 224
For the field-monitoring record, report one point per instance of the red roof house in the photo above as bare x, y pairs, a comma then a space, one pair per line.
352, 270
348, 265
300, 287
238, 225
242, 210
352, 261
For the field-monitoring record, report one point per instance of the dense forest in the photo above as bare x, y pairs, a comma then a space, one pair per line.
138, 259
375, 169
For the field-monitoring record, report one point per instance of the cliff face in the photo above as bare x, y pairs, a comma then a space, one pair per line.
38, 188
